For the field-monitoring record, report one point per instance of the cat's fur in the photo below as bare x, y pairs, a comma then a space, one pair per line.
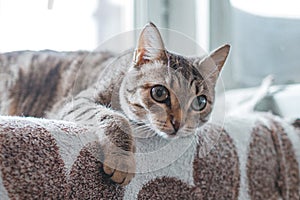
120, 99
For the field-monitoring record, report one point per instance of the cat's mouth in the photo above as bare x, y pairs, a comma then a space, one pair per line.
167, 132
163, 131
168, 129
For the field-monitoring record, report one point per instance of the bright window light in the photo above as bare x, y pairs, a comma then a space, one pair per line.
270, 8
30, 24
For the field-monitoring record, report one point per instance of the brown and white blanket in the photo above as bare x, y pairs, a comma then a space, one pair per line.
250, 157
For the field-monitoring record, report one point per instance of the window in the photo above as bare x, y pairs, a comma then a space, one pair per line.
264, 36
63, 25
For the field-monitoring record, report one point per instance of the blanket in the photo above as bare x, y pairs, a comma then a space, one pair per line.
250, 157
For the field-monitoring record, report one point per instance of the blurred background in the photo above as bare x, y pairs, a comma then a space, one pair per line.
264, 34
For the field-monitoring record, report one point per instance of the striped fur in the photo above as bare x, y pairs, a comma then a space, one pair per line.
113, 93
36, 83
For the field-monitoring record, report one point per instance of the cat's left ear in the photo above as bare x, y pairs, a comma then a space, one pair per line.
212, 65
150, 46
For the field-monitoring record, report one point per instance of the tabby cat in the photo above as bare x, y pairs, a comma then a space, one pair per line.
164, 93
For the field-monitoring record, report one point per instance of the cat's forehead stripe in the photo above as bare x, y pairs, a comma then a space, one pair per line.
184, 66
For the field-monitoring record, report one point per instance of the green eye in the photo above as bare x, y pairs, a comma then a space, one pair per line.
199, 103
159, 93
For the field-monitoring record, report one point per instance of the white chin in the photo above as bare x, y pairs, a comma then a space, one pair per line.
162, 134
165, 135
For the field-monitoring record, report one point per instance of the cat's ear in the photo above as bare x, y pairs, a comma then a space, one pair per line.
150, 46
212, 64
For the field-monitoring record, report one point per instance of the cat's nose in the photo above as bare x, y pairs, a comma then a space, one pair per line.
176, 124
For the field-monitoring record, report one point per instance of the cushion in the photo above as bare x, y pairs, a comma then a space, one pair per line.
247, 157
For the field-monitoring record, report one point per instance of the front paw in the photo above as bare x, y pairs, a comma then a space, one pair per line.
120, 167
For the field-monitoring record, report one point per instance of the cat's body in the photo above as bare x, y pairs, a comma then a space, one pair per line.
34, 83
149, 89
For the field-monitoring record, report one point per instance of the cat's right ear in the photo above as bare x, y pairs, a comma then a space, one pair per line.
150, 46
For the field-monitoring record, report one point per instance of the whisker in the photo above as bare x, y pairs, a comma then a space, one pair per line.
145, 132
144, 128
137, 124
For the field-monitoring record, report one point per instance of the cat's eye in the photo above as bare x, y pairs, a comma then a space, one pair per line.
199, 103
159, 93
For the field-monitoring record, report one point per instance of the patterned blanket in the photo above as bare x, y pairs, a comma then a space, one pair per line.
251, 157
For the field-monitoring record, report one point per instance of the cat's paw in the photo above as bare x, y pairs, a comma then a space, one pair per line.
120, 167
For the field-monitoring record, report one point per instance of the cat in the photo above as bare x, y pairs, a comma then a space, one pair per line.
149, 87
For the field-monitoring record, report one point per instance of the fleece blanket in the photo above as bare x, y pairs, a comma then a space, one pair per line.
250, 157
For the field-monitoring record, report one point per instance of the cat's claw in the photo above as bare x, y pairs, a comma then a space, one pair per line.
120, 168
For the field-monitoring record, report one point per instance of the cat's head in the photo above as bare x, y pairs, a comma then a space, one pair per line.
171, 94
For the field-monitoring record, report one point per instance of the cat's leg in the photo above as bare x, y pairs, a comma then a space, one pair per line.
114, 132
118, 147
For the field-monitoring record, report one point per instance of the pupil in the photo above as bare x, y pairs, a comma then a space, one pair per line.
159, 92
